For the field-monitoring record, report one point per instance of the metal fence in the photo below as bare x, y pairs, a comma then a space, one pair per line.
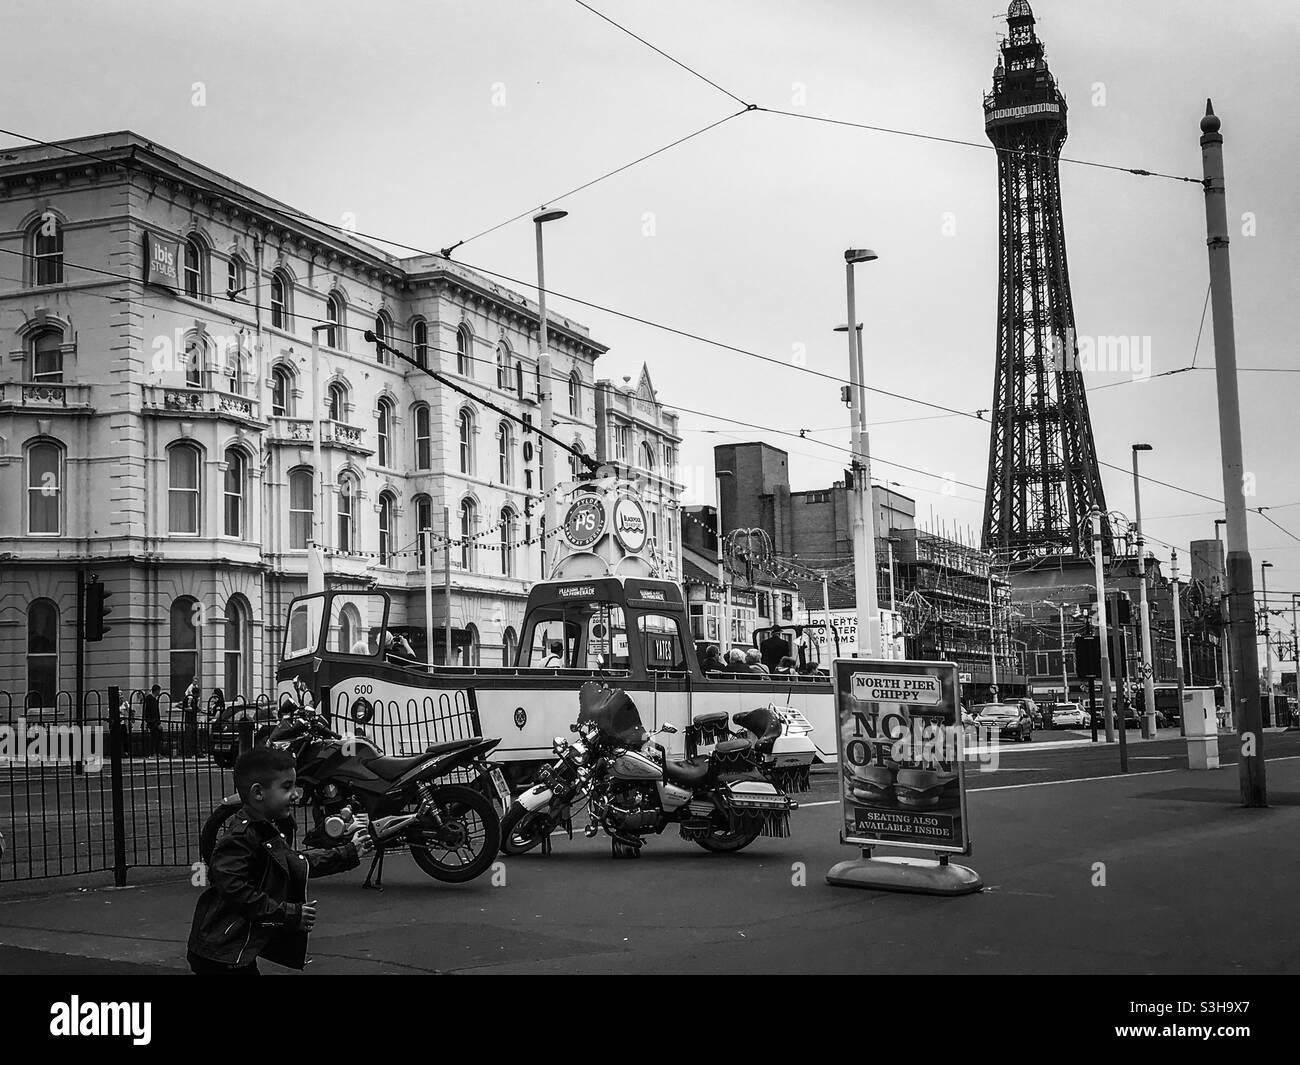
103, 787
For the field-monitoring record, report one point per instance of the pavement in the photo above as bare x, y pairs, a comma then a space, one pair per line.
1085, 871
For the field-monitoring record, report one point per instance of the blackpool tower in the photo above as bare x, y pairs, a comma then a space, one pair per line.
1043, 478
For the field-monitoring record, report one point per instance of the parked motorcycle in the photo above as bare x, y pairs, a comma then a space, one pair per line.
453, 831
720, 801
779, 735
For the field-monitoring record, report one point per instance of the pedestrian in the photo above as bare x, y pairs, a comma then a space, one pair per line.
190, 719
255, 904
712, 661
754, 662
152, 716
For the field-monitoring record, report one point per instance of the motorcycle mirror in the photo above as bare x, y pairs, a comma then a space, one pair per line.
667, 728
573, 728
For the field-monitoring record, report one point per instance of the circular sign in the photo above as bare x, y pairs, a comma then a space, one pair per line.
585, 521
521, 717
629, 524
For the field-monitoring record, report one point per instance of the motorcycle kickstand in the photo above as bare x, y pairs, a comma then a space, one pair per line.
546, 844
376, 863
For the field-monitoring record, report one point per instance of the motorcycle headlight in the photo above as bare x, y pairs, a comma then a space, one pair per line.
559, 745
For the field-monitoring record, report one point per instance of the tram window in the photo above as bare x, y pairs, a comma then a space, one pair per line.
356, 624
574, 627
304, 627
661, 642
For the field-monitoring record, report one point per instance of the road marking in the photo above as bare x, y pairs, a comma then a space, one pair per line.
1119, 776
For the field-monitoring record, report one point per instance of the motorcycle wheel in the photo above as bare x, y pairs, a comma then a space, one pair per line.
469, 816
722, 841
212, 830
522, 830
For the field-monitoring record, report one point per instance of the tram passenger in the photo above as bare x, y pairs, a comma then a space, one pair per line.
712, 661
555, 659
754, 662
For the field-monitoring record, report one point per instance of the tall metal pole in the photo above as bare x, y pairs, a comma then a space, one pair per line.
1224, 614
1144, 615
993, 637
723, 573
826, 609
1178, 639
1241, 593
1104, 646
1268, 646
446, 579
547, 477
864, 534
426, 539
1065, 683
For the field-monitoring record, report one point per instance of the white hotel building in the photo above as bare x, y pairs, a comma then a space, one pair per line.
162, 435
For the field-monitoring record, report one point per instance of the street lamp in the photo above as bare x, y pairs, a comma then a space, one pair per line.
1148, 678
1264, 567
1065, 683
722, 562
864, 534
547, 449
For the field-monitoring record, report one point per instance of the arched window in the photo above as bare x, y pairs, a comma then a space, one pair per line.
575, 395
349, 490
576, 466
235, 274
183, 650
334, 316
236, 359
234, 493
281, 300
647, 456
420, 342
195, 263
43, 650
464, 352
509, 647
505, 453
237, 681
46, 356
468, 520
509, 533
423, 441
385, 418
46, 239
381, 333
385, 529
338, 402
196, 360
44, 488
281, 392
465, 428
351, 640
183, 462
301, 509
503, 366
423, 521
471, 646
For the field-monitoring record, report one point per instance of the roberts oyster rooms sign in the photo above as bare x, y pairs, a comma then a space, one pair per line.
902, 782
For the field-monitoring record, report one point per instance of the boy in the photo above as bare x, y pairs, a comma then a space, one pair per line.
255, 903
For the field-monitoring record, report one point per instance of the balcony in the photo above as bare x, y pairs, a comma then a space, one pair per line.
200, 401
286, 430
45, 397
340, 434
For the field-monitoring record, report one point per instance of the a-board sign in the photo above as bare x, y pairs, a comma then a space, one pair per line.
899, 740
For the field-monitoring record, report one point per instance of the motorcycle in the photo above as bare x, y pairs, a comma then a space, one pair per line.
779, 735
453, 831
720, 801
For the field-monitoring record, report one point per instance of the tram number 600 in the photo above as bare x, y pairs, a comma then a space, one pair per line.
364, 689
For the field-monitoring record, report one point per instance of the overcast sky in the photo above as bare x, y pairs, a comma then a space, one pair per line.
433, 121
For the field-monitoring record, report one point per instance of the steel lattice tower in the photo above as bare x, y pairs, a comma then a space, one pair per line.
1043, 477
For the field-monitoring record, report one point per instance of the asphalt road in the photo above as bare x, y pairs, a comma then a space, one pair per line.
1084, 871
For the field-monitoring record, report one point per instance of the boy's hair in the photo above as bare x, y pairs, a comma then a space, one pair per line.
260, 765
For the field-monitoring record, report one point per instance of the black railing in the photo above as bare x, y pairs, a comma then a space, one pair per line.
104, 787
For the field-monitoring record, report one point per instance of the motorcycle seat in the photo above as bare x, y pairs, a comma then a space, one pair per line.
732, 746
710, 721
390, 768
688, 773
452, 745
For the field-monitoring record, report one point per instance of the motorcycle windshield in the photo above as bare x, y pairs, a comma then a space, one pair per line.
617, 718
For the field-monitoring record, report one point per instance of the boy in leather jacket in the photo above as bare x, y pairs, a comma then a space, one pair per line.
255, 904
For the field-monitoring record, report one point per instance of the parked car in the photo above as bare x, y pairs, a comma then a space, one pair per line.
1010, 720
223, 728
1068, 715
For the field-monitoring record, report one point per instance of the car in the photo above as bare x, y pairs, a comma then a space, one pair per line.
223, 728
1068, 715
1010, 720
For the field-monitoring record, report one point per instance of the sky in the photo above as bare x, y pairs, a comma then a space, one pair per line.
432, 122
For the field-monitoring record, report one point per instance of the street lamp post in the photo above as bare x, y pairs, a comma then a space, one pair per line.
864, 534
1103, 637
1264, 567
1178, 639
316, 560
1065, 682
722, 562
546, 478
1144, 615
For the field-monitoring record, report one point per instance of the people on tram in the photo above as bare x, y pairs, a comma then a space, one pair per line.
736, 661
785, 668
754, 662
555, 659
774, 648
712, 662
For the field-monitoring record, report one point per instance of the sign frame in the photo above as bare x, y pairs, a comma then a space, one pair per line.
585, 502
852, 713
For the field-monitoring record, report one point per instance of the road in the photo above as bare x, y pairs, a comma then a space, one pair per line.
1084, 871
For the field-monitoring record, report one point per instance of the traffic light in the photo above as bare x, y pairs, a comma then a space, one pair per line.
846, 396
1125, 611
1087, 656
97, 609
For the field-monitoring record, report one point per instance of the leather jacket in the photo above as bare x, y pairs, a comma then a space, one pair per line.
257, 883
